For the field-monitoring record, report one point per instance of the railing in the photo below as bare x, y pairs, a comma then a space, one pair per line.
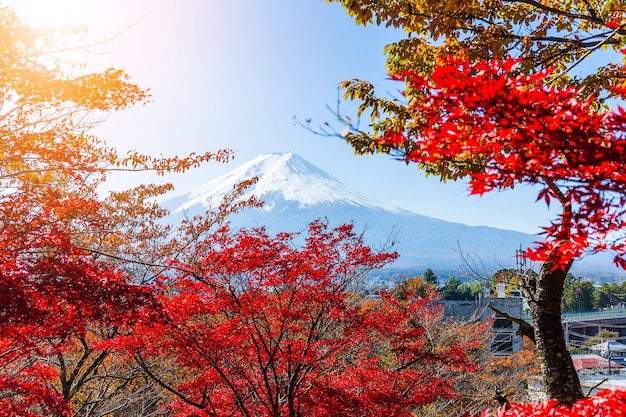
594, 315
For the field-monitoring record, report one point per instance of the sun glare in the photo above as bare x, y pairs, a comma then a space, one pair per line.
98, 21
97, 16
53, 13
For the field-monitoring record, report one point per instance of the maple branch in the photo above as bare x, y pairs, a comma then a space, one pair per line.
63, 375
556, 11
213, 363
556, 190
329, 131
590, 390
86, 169
566, 203
86, 47
43, 170
589, 51
84, 377
86, 353
590, 9
162, 267
163, 385
525, 329
582, 43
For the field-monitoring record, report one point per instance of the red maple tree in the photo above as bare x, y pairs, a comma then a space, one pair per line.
479, 120
487, 122
68, 257
259, 325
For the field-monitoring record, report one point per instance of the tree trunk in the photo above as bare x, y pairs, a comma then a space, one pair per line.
544, 293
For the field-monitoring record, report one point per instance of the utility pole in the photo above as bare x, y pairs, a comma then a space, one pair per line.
520, 259
608, 349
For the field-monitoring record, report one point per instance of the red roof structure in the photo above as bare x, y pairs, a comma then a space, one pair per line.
592, 361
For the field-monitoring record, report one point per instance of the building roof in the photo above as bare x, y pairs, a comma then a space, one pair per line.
592, 361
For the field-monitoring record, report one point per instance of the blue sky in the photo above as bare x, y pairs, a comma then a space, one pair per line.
232, 74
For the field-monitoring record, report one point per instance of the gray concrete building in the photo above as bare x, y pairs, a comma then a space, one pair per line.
504, 340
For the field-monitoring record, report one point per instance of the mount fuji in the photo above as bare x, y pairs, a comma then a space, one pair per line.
295, 192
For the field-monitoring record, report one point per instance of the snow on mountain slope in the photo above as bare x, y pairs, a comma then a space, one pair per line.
281, 176
295, 192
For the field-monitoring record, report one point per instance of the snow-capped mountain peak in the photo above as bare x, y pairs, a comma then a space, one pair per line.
295, 192
284, 176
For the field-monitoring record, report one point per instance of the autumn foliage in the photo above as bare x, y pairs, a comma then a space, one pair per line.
485, 121
496, 126
542, 33
604, 404
470, 112
61, 273
106, 311
275, 326
99, 298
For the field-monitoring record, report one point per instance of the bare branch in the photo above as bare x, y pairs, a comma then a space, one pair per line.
525, 329
556, 11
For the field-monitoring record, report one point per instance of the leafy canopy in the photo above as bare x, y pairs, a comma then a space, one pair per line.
546, 33
69, 258
497, 127
261, 325
490, 98
608, 403
542, 35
